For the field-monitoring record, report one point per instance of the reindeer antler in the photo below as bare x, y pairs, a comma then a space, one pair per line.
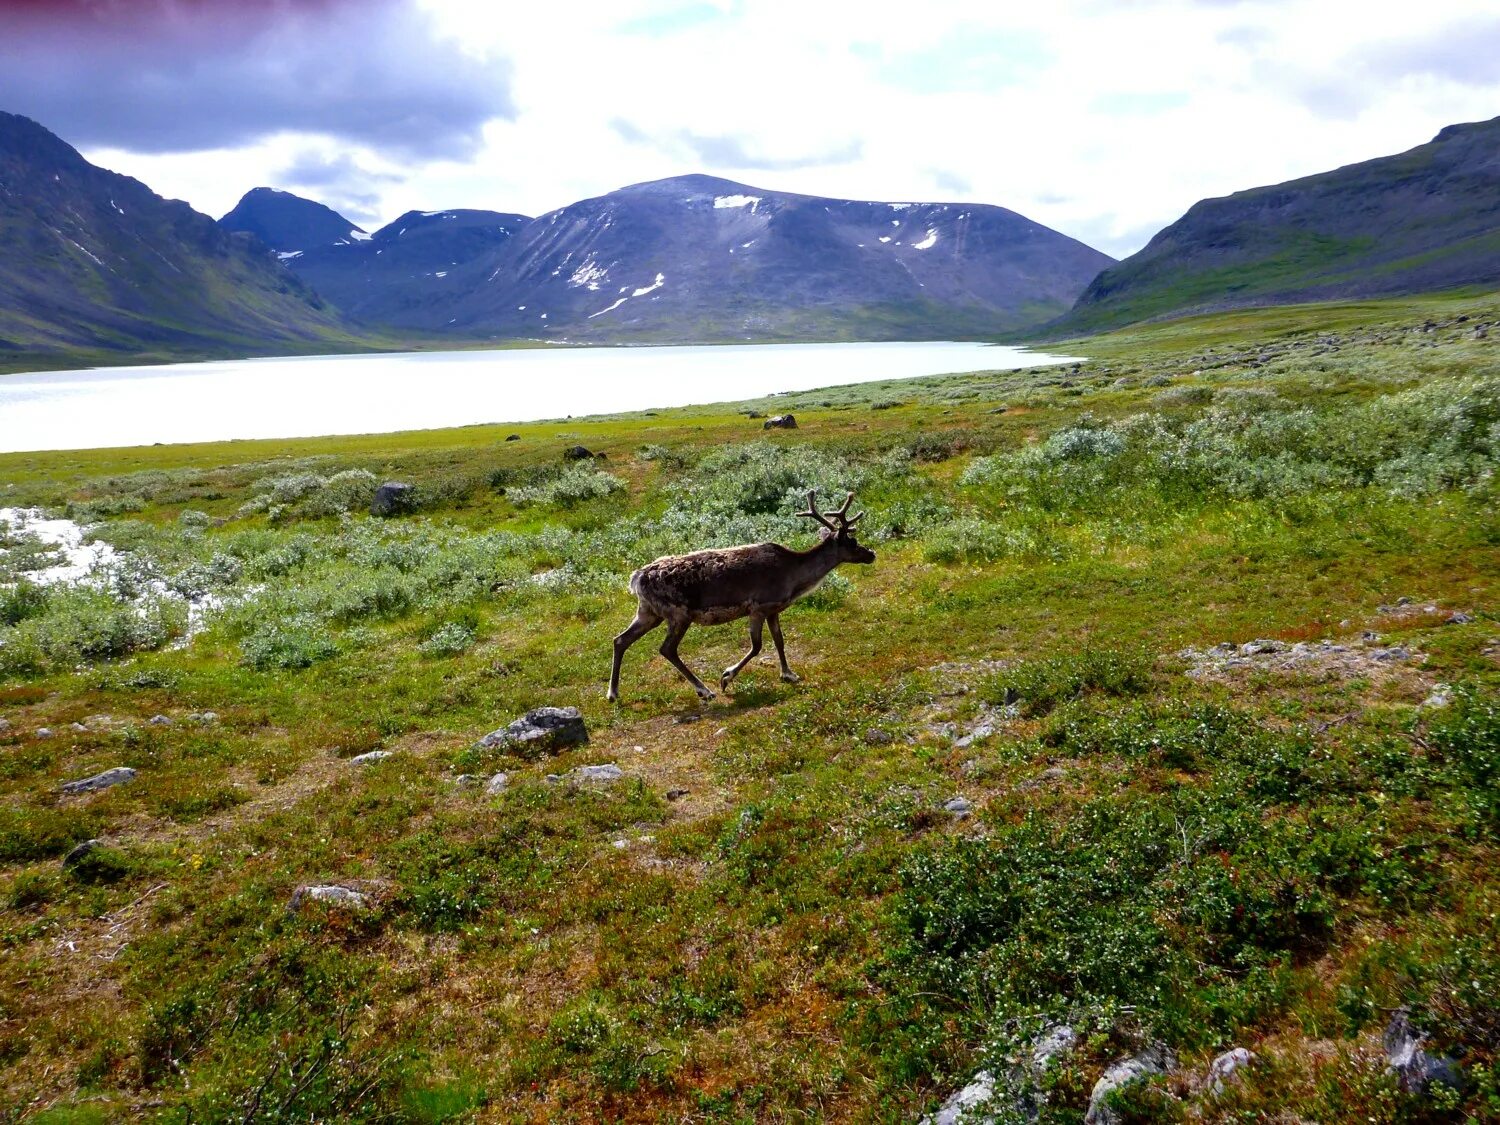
845, 521
813, 514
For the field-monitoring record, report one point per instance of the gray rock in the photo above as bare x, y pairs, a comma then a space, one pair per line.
203, 717
79, 851
608, 772
1052, 773
553, 778
4, 725
1396, 654
676, 794
43, 732
330, 894
1226, 1066
877, 737
957, 1109
1414, 1067
1256, 647
159, 721
578, 453
78, 727
1153, 1061
467, 780
369, 757
541, 731
779, 422
392, 498
960, 807
111, 777
496, 784
1403, 601
1461, 618
1442, 695
1059, 1040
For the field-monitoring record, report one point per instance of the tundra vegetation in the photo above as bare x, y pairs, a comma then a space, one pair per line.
772, 914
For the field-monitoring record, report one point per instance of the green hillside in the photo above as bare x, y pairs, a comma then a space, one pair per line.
1167, 713
1422, 221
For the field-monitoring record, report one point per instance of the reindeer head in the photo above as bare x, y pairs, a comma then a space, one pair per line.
841, 535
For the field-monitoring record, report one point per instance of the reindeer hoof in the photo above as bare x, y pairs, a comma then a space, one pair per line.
705, 695
724, 681
611, 697
790, 678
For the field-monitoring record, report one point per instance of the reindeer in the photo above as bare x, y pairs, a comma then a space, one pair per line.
757, 581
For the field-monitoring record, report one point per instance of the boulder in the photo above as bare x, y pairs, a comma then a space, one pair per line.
79, 851
958, 1108
111, 777
1057, 1041
496, 784
1226, 1067
4, 725
960, 807
578, 453
204, 717
159, 721
512, 437
1415, 1068
392, 498
544, 730
370, 757
1125, 1072
608, 772
330, 894
779, 422
43, 732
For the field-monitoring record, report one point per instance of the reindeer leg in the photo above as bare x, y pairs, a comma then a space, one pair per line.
675, 630
644, 622
774, 620
734, 670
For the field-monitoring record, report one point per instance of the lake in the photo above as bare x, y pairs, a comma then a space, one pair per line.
307, 396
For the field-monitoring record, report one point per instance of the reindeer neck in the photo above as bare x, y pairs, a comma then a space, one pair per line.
816, 562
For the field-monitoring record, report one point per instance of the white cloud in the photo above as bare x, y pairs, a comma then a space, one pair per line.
1103, 120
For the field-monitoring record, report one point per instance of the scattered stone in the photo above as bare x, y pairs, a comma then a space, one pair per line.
159, 721
119, 775
1059, 1040
578, 453
1403, 601
1226, 662
877, 737
203, 717
1442, 695
553, 778
79, 727
43, 732
1397, 653
1416, 1069
73, 857
370, 756
1151, 1062
1461, 618
687, 717
1255, 648
676, 794
330, 894
958, 1108
544, 730
1053, 773
4, 725
496, 784
467, 780
1226, 1066
960, 807
392, 498
779, 422
608, 772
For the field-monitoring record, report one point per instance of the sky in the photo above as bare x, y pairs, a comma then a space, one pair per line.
1104, 119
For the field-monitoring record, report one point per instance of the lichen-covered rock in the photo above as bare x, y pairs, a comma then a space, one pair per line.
544, 730
1149, 1063
1414, 1067
497, 784
79, 851
962, 1106
960, 807
119, 775
779, 422
392, 498
329, 894
370, 757
1226, 1067
608, 772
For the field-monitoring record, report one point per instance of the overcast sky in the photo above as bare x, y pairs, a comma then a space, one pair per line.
1104, 119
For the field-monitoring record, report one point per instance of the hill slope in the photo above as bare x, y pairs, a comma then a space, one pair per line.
92, 259
1419, 221
699, 258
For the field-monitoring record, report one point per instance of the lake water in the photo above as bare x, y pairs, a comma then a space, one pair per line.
306, 396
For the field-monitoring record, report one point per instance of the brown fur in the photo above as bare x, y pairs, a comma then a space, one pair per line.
757, 581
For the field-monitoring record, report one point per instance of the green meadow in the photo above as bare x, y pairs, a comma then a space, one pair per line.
779, 912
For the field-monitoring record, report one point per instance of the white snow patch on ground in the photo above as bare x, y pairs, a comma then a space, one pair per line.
611, 308
360, 236
898, 206
288, 255
590, 274
117, 207
724, 201
895, 222
927, 243
747, 245
885, 238
66, 537
655, 285
441, 273
400, 232
89, 252
520, 308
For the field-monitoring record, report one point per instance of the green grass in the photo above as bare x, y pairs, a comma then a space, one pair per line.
1276, 858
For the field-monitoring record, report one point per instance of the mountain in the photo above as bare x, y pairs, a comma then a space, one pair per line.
409, 273
95, 260
1423, 220
288, 223
698, 258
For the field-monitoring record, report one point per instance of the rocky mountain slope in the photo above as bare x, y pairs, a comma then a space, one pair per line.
699, 258
90, 259
1422, 220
